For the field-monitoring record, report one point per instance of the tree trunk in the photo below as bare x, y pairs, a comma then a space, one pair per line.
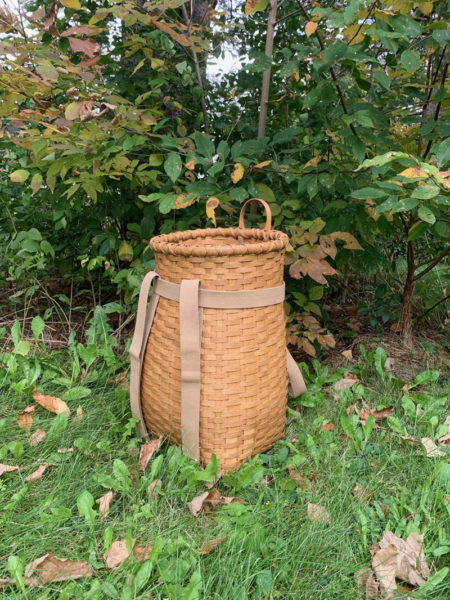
406, 321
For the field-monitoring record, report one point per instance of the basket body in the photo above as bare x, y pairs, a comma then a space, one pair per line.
243, 353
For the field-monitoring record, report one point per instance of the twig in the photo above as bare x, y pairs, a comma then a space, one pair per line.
432, 264
435, 305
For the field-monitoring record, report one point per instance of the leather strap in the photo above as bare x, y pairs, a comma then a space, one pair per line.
225, 299
191, 301
296, 382
144, 319
190, 345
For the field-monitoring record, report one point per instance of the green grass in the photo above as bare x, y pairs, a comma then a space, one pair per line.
272, 549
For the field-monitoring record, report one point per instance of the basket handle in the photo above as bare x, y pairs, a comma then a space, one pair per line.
268, 225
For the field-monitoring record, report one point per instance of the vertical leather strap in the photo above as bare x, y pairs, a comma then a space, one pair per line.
296, 382
144, 319
190, 344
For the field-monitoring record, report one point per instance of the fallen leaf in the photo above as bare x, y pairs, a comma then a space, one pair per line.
347, 354
213, 498
431, 449
9, 469
345, 383
210, 484
79, 412
365, 580
350, 409
154, 487
37, 437
361, 494
317, 513
396, 559
238, 172
328, 427
301, 481
104, 502
51, 403
147, 452
310, 28
49, 568
142, 553
383, 413
25, 418
65, 451
445, 439
405, 388
412, 441
117, 553
38, 473
212, 545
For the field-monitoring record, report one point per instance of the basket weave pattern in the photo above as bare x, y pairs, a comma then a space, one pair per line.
243, 353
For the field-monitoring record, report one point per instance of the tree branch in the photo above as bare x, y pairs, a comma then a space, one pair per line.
435, 305
271, 22
432, 264
438, 108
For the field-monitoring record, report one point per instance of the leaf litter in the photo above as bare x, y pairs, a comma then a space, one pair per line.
210, 499
147, 451
51, 403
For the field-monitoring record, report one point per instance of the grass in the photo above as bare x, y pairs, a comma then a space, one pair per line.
272, 549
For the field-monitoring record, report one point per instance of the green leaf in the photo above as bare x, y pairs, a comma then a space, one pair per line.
204, 145
425, 378
36, 182
19, 176
381, 78
411, 60
167, 203
368, 193
16, 332
120, 471
425, 214
282, 137
347, 426
334, 52
73, 4
396, 425
173, 166
380, 361
416, 231
47, 248
125, 251
85, 502
254, 6
425, 191
316, 292
37, 326
143, 575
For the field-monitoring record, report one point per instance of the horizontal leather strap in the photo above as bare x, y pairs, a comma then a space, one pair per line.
225, 299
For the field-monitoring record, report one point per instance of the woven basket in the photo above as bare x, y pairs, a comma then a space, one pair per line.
243, 374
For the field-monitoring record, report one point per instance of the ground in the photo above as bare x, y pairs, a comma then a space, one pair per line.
359, 469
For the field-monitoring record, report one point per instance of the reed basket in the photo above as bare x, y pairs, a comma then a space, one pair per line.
210, 363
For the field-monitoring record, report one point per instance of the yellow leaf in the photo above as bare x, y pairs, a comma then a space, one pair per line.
211, 206
74, 4
413, 172
262, 164
238, 172
354, 34
253, 6
181, 203
426, 7
310, 28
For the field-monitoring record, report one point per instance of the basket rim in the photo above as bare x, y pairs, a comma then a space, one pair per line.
263, 242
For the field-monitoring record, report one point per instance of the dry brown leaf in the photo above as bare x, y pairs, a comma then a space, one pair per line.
361, 494
212, 545
147, 452
79, 412
191, 164
104, 502
154, 487
431, 449
37, 437
301, 481
445, 439
87, 47
142, 553
348, 354
213, 498
397, 559
310, 28
25, 418
328, 427
65, 451
383, 413
49, 568
365, 580
317, 513
412, 441
51, 403
9, 469
347, 382
117, 553
350, 409
210, 484
38, 473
